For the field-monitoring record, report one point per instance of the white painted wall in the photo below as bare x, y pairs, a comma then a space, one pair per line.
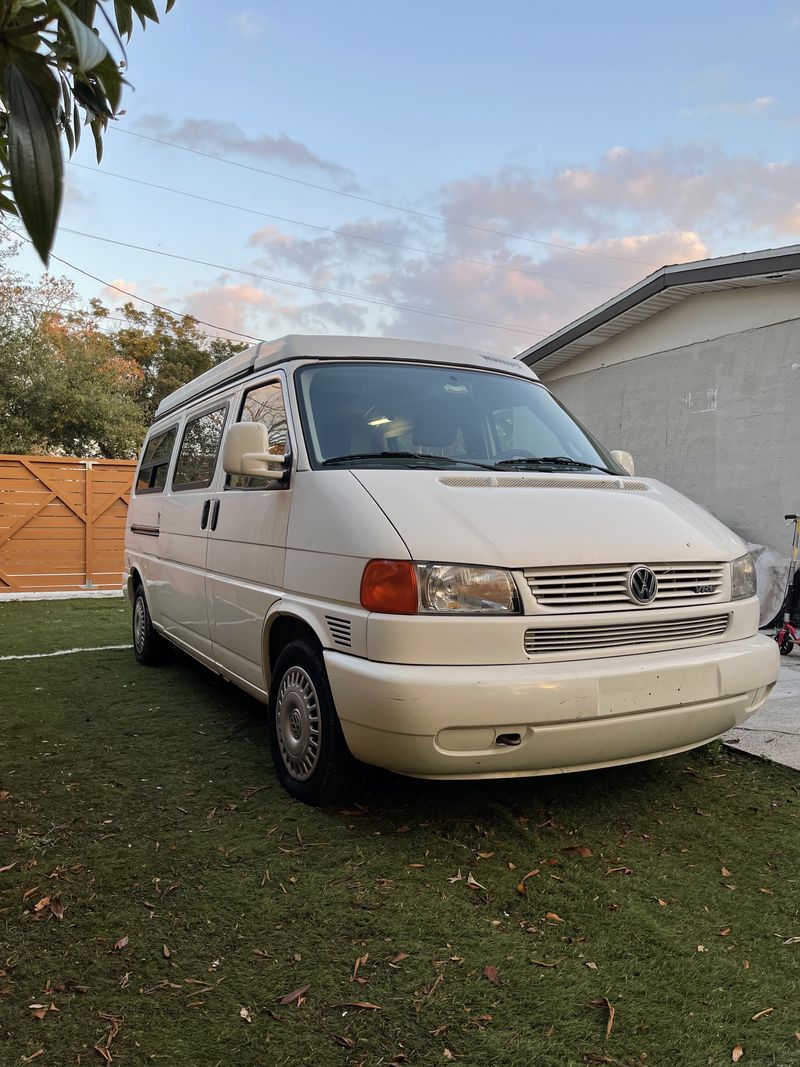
695, 319
717, 419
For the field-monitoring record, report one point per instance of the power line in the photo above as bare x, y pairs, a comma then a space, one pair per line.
344, 233
125, 292
513, 328
380, 203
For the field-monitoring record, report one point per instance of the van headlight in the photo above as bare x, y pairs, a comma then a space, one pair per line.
453, 589
743, 578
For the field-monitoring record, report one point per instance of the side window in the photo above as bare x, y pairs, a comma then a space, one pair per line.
153, 469
264, 404
199, 447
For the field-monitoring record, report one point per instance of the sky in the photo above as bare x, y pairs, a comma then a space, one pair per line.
467, 172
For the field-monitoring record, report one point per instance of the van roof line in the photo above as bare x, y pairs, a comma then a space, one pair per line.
323, 346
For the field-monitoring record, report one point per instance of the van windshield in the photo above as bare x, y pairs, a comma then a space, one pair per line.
418, 415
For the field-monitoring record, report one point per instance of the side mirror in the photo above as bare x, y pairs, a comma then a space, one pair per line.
246, 451
625, 460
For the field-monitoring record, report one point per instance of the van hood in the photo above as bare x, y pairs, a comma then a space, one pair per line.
546, 520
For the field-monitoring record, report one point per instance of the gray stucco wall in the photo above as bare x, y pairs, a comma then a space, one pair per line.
718, 420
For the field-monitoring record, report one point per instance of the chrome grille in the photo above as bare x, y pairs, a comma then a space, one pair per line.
577, 638
606, 587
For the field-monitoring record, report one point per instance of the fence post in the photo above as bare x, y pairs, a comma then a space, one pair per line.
88, 533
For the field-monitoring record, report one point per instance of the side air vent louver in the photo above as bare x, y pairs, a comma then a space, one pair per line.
340, 630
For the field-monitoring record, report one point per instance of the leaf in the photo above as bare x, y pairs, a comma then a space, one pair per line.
364, 1005
579, 850
8, 867
491, 973
244, 1013
473, 884
619, 870
760, 1014
592, 965
34, 159
551, 915
89, 47
542, 963
41, 904
737, 1053
604, 1002
725, 872
792, 941
399, 958
123, 941
345, 1042
57, 908
145, 9
295, 995
166, 951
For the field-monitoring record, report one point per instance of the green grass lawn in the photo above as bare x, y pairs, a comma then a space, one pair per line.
163, 893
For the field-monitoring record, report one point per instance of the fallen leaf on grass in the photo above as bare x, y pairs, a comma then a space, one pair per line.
542, 963
551, 915
8, 867
399, 958
725, 932
598, 1057
33, 1055
359, 963
661, 903
166, 952
123, 941
592, 965
605, 1003
345, 1042
473, 884
491, 973
725, 872
737, 1054
297, 995
39, 1010
364, 1005
761, 1014
769, 891
244, 1013
579, 850
521, 888
448, 1055
619, 870
41, 904
792, 941
57, 908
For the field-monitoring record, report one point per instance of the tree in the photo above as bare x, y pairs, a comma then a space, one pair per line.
64, 389
55, 74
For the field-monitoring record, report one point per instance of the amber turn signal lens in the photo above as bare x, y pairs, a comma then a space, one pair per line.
390, 587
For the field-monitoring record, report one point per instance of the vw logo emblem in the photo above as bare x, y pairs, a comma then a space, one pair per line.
642, 585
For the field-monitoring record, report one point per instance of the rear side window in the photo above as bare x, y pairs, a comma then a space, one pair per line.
155, 462
199, 448
264, 404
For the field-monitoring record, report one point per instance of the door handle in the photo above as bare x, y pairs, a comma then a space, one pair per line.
215, 515
204, 516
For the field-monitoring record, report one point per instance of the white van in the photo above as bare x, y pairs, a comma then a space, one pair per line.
418, 559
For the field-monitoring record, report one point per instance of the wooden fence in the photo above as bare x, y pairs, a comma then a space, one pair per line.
62, 522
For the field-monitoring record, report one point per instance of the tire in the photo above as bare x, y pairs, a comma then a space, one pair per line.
786, 645
311, 757
149, 647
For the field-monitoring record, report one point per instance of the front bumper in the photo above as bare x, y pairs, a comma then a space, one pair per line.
441, 722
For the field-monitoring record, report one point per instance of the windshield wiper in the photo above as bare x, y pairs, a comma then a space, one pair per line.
555, 461
424, 456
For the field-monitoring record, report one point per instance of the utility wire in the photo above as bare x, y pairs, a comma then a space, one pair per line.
125, 292
379, 203
343, 233
513, 328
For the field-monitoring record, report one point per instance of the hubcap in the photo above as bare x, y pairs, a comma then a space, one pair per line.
139, 624
297, 722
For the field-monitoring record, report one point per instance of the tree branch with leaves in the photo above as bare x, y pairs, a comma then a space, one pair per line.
57, 74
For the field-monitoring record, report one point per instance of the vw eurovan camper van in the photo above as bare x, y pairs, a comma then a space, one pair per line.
417, 559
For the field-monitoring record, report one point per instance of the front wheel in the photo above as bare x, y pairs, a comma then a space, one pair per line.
785, 644
311, 757
149, 646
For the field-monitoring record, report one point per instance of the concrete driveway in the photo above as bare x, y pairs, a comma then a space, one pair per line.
774, 730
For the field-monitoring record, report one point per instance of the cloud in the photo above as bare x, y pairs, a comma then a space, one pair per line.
208, 135
249, 25
742, 108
